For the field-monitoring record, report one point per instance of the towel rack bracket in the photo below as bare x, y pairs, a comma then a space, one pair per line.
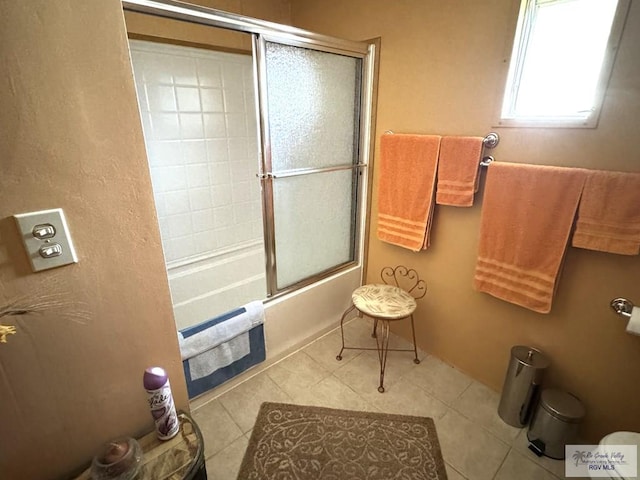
622, 306
491, 140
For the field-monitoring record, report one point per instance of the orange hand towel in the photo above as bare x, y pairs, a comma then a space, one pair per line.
408, 166
526, 220
609, 213
458, 167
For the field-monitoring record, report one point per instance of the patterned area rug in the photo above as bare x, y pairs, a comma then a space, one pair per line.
308, 443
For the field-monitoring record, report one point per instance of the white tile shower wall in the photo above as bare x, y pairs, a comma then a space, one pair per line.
200, 129
198, 114
207, 288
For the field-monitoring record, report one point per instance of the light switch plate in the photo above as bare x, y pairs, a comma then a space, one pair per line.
54, 250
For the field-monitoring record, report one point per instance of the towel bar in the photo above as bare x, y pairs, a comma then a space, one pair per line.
491, 140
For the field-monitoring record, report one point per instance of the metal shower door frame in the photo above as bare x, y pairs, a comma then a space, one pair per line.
264, 31
267, 175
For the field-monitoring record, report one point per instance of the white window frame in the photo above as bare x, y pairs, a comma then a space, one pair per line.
509, 91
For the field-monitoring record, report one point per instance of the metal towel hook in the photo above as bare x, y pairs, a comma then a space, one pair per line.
622, 306
486, 161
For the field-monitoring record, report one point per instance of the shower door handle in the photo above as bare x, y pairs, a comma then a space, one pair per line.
307, 171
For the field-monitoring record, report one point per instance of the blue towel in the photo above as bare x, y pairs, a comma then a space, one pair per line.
221, 348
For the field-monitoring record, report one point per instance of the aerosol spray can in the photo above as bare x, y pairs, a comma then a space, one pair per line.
156, 383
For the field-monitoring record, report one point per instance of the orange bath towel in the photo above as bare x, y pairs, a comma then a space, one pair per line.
408, 166
526, 220
609, 213
458, 167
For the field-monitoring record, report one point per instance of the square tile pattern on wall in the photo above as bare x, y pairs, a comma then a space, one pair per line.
197, 108
475, 442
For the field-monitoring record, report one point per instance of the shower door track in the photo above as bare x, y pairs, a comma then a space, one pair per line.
177, 10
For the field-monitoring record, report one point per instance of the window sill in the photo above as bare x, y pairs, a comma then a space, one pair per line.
559, 122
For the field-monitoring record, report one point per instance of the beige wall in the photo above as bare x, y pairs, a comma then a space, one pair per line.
71, 138
71, 378
442, 66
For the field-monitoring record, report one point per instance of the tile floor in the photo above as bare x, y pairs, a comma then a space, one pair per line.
475, 442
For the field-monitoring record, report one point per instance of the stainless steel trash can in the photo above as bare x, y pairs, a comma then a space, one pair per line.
521, 384
555, 423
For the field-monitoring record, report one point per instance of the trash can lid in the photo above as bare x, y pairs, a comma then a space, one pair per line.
530, 356
562, 405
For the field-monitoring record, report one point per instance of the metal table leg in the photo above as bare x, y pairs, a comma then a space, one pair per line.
346, 312
416, 360
382, 345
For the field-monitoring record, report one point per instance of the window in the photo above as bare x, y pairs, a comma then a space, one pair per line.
561, 61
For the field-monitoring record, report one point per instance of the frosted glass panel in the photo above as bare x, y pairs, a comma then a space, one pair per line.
313, 223
313, 101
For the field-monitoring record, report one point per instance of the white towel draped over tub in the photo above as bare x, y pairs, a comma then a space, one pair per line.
217, 343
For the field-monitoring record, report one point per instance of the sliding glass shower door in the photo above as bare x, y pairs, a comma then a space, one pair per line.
310, 101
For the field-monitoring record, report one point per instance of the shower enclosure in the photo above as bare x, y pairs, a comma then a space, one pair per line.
269, 150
